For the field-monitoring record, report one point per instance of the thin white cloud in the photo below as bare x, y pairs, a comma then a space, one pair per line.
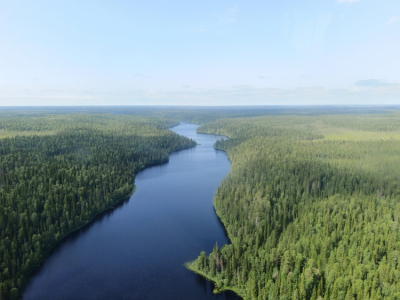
393, 20
380, 94
242, 86
373, 82
229, 15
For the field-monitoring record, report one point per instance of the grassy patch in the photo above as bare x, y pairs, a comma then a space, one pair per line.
10, 134
346, 135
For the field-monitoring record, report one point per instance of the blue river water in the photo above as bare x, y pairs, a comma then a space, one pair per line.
137, 250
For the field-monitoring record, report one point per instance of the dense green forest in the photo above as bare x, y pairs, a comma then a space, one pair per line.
58, 171
311, 206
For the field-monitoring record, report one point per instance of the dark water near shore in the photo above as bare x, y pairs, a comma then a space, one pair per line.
137, 250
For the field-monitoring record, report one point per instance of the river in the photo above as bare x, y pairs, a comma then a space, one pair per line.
137, 250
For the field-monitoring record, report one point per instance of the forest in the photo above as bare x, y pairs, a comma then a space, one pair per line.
58, 171
311, 206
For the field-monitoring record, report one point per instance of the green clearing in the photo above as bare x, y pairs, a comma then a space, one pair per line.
11, 134
358, 135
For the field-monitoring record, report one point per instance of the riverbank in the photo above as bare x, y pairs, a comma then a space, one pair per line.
219, 286
95, 214
138, 249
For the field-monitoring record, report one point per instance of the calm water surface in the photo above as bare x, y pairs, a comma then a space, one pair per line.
137, 250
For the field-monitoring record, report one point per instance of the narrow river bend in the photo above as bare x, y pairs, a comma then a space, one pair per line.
137, 250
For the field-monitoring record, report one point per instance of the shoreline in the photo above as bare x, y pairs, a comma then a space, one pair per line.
219, 288
96, 215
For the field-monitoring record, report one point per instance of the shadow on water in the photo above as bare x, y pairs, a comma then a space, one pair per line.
208, 287
202, 282
223, 227
100, 217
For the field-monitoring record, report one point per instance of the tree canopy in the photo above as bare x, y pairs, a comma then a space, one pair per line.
52, 184
311, 205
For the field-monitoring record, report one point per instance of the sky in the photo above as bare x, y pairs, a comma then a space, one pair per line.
267, 52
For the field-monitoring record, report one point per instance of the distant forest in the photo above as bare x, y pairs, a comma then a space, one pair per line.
311, 205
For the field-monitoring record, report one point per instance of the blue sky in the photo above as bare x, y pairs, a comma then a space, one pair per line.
287, 52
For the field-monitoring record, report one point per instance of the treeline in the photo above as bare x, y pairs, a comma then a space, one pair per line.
51, 185
198, 115
308, 217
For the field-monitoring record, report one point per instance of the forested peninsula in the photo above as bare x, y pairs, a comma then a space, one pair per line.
58, 171
311, 205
